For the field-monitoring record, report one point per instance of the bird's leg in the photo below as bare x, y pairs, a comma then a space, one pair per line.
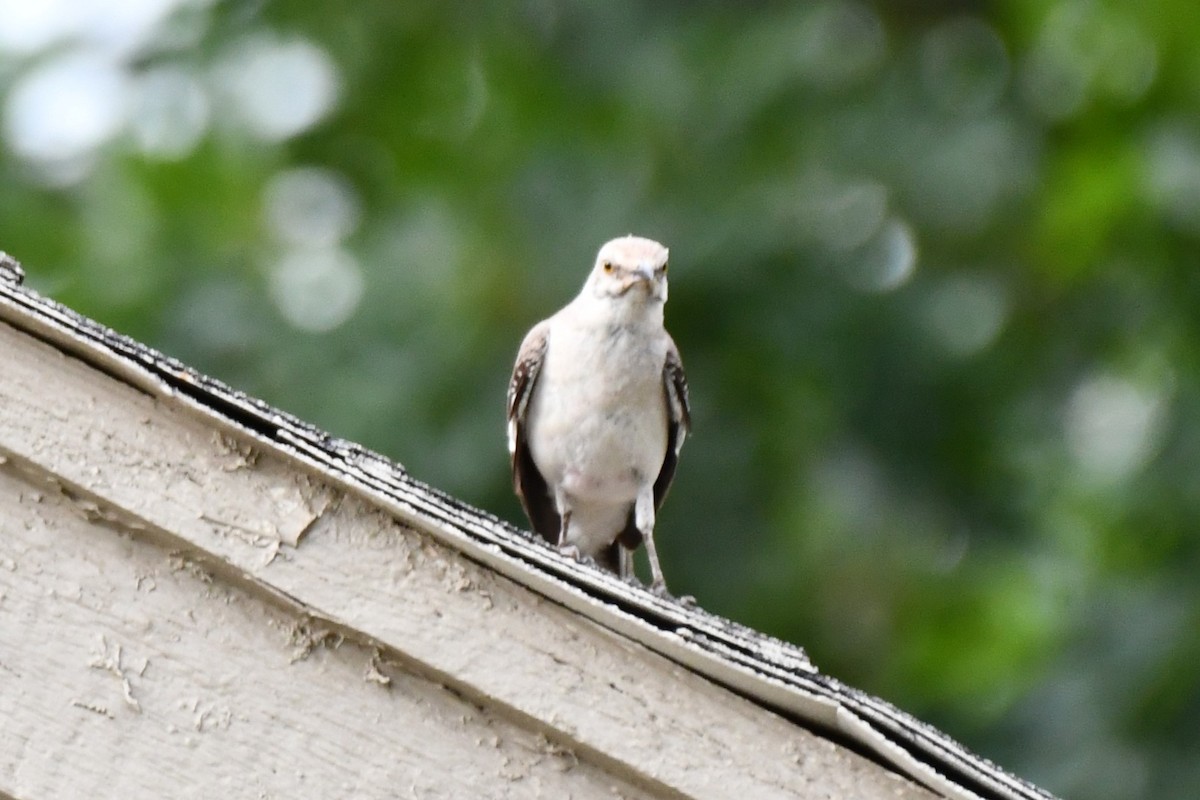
564, 513
568, 550
562, 530
643, 517
624, 562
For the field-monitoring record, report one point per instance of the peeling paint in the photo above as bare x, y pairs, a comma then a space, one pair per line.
95, 708
374, 674
306, 636
242, 455
111, 662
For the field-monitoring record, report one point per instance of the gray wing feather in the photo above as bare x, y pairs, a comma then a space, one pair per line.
528, 482
679, 419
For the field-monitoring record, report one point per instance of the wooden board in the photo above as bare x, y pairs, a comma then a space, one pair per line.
146, 478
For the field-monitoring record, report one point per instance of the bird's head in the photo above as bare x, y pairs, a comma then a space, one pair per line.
630, 267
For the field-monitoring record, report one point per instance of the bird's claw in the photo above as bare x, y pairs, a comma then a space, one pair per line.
575, 554
659, 589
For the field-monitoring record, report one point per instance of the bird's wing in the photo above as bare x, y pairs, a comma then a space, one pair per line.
679, 418
679, 424
528, 482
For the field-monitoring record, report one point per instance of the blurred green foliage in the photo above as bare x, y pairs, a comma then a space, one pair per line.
935, 282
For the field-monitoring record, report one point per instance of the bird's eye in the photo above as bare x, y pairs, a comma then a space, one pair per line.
608, 267
664, 268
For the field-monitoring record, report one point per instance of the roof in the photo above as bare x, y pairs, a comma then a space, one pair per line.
342, 546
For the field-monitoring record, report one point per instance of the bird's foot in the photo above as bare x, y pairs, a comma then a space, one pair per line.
659, 588
571, 551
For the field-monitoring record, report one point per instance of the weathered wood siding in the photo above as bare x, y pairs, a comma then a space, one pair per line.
183, 615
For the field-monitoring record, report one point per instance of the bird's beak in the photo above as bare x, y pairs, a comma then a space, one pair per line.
642, 273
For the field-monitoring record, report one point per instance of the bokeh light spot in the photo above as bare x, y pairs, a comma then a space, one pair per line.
841, 215
975, 165
965, 312
280, 88
851, 489
885, 262
170, 113
1112, 427
1083, 50
1172, 174
311, 207
317, 290
28, 27
842, 42
116, 26
66, 107
964, 65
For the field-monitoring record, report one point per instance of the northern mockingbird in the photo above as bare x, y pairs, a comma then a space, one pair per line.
598, 411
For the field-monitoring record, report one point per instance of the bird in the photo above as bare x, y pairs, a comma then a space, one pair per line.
597, 412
